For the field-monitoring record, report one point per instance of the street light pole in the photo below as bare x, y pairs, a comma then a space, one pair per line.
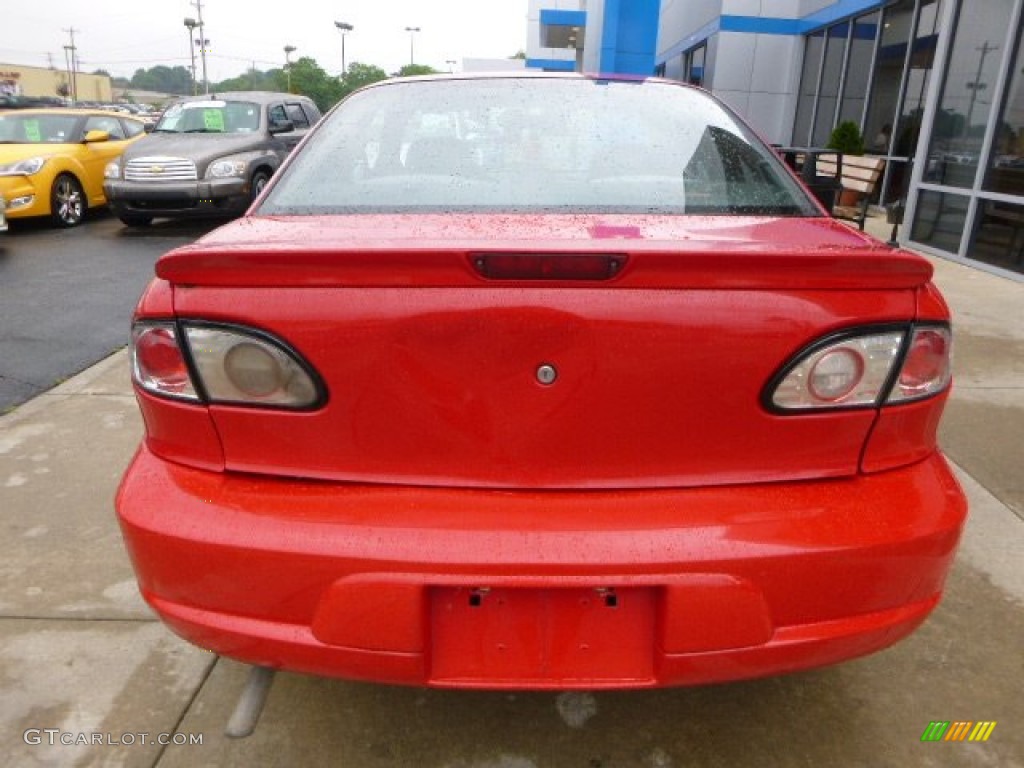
412, 37
288, 49
190, 25
343, 28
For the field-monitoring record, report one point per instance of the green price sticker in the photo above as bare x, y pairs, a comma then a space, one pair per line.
213, 120
32, 131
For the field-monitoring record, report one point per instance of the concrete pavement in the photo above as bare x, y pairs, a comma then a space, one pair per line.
83, 660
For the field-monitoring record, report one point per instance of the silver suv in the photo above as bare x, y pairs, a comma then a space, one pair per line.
207, 156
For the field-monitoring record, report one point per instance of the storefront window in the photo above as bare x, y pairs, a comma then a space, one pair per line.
999, 236
858, 67
885, 89
829, 94
696, 68
808, 88
965, 103
1006, 169
939, 221
922, 59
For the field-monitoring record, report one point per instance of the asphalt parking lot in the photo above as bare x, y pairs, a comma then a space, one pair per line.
91, 678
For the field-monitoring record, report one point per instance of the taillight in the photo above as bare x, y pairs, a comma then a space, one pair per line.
241, 367
927, 367
865, 369
221, 364
157, 362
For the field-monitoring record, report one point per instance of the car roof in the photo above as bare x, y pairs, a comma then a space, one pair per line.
260, 97
530, 75
75, 111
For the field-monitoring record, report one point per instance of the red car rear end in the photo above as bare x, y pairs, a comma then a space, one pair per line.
445, 426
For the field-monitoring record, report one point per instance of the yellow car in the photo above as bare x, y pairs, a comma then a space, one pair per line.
52, 160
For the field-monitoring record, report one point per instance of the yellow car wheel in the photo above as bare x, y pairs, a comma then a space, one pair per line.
67, 201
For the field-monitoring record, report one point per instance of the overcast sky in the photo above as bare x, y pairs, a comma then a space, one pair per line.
124, 35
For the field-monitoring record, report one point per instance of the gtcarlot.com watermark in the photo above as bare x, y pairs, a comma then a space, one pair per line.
54, 737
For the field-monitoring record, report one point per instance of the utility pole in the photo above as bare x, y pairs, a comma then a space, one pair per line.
69, 56
203, 42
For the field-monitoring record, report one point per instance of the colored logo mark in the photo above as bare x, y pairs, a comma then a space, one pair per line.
966, 730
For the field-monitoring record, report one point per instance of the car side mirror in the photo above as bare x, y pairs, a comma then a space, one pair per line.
282, 126
93, 137
148, 127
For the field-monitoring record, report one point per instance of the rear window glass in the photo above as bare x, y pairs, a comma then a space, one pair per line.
557, 145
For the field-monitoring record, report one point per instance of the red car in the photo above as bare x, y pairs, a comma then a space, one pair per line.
540, 382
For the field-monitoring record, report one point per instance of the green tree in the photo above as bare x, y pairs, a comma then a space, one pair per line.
309, 79
411, 70
253, 80
846, 138
163, 79
360, 75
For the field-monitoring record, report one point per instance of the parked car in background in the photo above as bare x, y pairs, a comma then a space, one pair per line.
31, 102
52, 160
208, 156
540, 382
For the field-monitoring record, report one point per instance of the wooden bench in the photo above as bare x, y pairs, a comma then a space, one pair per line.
855, 173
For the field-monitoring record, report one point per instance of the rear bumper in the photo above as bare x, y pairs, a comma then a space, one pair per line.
540, 590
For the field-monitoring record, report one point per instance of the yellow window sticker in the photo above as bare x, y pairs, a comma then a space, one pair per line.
213, 120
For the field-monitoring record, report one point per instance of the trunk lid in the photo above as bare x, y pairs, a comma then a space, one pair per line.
433, 372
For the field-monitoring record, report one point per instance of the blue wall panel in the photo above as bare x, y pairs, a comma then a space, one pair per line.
552, 65
556, 18
629, 36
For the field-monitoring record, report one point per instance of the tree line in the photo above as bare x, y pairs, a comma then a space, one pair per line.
306, 77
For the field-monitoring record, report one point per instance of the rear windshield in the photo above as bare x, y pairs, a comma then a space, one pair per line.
535, 145
214, 116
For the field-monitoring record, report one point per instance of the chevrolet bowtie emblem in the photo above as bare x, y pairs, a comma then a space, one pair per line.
156, 169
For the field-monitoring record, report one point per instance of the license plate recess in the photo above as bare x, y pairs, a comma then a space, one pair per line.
561, 636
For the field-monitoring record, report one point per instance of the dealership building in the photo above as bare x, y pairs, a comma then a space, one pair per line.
47, 82
936, 87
